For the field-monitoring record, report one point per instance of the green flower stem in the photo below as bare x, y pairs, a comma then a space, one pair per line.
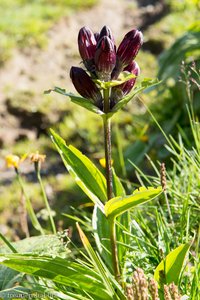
29, 207
106, 94
114, 250
23, 216
45, 199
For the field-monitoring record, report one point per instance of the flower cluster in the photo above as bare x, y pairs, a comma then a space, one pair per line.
104, 61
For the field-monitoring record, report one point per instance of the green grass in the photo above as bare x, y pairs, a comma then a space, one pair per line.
23, 23
182, 18
183, 197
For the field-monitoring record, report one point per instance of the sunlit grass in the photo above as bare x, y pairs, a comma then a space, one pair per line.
24, 23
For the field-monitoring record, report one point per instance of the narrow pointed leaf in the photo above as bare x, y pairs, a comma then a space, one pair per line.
48, 244
58, 270
101, 229
109, 281
117, 185
86, 103
101, 226
119, 205
146, 83
183, 48
123, 220
169, 270
124, 76
86, 174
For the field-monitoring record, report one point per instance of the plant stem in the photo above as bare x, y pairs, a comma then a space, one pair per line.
168, 208
108, 158
114, 250
29, 207
107, 145
23, 216
46, 201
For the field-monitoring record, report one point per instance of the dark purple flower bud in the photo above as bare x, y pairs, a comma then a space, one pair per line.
85, 86
105, 31
123, 89
96, 35
87, 46
128, 85
129, 47
105, 58
86, 43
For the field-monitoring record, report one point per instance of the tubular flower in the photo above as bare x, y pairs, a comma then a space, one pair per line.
87, 45
104, 64
84, 85
128, 85
105, 58
96, 35
127, 50
105, 31
122, 90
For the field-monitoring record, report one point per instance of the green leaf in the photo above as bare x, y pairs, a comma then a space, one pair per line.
123, 224
110, 283
101, 226
17, 292
86, 174
146, 83
186, 46
89, 105
7, 243
86, 103
47, 244
119, 205
101, 229
117, 185
124, 76
8, 278
123, 221
169, 269
59, 270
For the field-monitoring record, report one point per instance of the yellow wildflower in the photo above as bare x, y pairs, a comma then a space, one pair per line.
103, 162
37, 158
12, 161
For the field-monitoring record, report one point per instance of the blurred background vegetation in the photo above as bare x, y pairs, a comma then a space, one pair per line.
37, 48
25, 23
